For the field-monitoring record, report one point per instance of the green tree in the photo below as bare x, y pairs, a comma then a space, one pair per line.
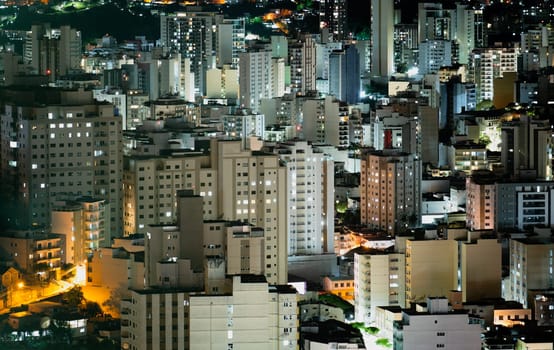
484, 140
341, 207
484, 105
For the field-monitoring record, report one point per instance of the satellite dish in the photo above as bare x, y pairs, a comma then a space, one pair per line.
45, 322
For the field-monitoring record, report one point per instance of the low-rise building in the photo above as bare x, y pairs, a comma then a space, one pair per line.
434, 326
342, 286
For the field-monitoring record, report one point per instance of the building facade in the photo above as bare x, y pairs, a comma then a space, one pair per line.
64, 150
252, 315
390, 195
379, 280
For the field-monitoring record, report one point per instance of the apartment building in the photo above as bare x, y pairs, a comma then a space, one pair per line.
231, 41
252, 188
61, 146
193, 34
244, 125
302, 61
379, 280
431, 268
252, 315
390, 195
83, 223
480, 201
523, 205
434, 326
310, 182
526, 144
487, 64
151, 184
531, 266
53, 52
467, 156
33, 250
382, 29
234, 185
480, 269
325, 121
256, 77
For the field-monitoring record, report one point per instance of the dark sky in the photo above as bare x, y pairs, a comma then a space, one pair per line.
359, 12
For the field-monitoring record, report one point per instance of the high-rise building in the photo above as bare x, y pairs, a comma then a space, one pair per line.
466, 30
279, 46
480, 201
53, 52
434, 54
285, 110
302, 61
459, 25
323, 54
222, 83
195, 36
390, 194
344, 74
151, 184
256, 77
379, 280
435, 22
174, 254
526, 145
252, 188
310, 182
405, 45
531, 264
82, 222
231, 41
431, 268
481, 269
325, 121
333, 15
69, 147
382, 43
523, 205
244, 125
487, 64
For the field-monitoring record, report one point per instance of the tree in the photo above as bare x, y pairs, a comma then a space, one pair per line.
74, 297
484, 105
484, 140
91, 309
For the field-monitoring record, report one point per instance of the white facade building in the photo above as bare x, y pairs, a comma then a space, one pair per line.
436, 327
252, 316
379, 280
310, 183
256, 77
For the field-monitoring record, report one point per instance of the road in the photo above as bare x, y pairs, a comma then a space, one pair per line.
29, 295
